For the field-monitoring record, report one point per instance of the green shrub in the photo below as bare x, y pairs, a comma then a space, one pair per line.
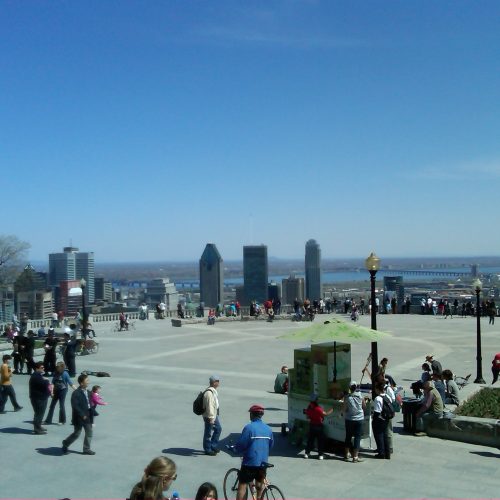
484, 404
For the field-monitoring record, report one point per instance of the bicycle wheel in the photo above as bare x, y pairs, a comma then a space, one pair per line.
94, 347
230, 484
272, 492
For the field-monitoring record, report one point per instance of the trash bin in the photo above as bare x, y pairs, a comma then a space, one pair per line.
410, 409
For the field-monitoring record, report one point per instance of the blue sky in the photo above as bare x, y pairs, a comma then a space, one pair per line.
142, 130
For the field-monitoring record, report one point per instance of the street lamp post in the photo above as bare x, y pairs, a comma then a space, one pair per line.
372, 263
83, 283
479, 360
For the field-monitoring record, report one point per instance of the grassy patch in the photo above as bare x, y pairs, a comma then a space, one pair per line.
484, 404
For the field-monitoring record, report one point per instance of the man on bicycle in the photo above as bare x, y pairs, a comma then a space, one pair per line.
254, 443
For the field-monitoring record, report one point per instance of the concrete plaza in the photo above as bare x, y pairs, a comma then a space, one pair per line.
157, 371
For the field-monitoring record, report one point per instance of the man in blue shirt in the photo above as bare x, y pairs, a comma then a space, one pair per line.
254, 443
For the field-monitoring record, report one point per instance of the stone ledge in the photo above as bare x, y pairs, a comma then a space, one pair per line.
482, 431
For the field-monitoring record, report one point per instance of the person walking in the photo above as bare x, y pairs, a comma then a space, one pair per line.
213, 427
6, 387
39, 391
254, 443
18, 353
495, 367
353, 408
60, 382
49, 359
69, 355
316, 414
82, 417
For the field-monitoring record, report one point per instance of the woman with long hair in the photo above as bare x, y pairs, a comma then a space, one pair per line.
207, 491
157, 478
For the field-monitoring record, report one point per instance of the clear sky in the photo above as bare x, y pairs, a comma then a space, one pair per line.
143, 130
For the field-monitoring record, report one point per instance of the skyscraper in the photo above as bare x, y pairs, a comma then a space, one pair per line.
255, 273
293, 288
73, 265
211, 276
313, 270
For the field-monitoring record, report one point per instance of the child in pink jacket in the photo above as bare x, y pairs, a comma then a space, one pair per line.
96, 399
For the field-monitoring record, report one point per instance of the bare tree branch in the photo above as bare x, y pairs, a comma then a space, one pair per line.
12, 251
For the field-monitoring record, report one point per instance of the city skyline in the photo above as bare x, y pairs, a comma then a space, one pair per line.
142, 133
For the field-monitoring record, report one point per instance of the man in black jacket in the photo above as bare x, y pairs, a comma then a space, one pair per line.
29, 351
39, 396
82, 417
70, 345
50, 347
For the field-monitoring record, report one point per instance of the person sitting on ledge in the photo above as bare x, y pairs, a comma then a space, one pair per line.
432, 405
452, 397
281, 381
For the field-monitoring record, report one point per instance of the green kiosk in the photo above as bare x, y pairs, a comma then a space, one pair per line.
323, 369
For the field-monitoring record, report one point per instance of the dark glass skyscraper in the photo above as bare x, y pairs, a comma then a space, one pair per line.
211, 276
313, 270
255, 273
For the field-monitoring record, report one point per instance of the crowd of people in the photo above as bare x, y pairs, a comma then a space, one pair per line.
436, 387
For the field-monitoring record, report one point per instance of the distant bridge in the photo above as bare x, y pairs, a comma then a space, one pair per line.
428, 272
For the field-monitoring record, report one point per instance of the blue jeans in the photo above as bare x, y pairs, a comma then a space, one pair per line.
7, 391
211, 434
353, 430
59, 396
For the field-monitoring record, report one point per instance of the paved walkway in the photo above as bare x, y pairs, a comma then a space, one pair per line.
157, 372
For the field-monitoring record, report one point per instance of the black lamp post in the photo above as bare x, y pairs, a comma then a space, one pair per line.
83, 283
479, 360
372, 263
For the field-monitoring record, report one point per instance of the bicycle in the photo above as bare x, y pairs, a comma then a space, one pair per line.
231, 483
87, 346
128, 327
462, 381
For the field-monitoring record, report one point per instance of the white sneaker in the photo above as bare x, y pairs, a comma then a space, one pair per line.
320, 457
306, 455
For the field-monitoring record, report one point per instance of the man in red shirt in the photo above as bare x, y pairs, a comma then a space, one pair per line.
316, 414
495, 367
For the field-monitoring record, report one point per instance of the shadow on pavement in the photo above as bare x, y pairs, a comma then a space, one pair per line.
487, 454
16, 430
53, 451
183, 452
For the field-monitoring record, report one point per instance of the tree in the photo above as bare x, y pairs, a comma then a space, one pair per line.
12, 252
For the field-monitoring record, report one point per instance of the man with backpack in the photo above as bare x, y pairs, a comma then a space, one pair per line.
383, 412
210, 414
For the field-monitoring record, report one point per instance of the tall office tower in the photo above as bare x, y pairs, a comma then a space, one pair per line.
161, 290
32, 295
73, 265
313, 271
211, 276
85, 269
255, 273
395, 285
293, 288
103, 290
274, 291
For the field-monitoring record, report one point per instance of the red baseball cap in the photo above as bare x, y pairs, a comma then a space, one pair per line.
256, 409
